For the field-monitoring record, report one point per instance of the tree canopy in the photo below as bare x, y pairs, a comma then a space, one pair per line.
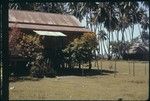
80, 50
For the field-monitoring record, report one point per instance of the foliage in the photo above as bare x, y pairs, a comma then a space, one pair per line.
53, 7
119, 48
81, 49
26, 46
145, 35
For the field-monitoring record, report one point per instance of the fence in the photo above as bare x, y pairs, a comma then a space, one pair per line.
123, 67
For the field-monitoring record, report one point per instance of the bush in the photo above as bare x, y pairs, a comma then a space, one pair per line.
81, 49
49, 72
27, 45
36, 72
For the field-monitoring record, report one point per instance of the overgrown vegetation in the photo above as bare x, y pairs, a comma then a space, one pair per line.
81, 50
25, 45
28, 45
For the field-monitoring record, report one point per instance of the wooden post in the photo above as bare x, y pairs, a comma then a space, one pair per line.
129, 67
115, 69
116, 65
145, 68
101, 66
82, 70
133, 68
5, 53
15, 66
97, 64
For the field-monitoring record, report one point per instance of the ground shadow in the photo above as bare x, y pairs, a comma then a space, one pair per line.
23, 78
66, 72
83, 72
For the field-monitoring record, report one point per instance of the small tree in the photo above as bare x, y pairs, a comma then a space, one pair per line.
26, 45
81, 49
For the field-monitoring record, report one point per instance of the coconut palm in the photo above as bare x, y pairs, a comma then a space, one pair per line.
129, 15
102, 36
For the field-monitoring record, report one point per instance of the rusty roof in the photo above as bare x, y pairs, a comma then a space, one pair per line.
44, 21
49, 28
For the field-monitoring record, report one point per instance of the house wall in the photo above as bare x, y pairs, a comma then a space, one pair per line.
54, 46
71, 36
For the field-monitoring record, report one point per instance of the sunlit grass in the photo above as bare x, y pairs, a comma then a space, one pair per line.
98, 87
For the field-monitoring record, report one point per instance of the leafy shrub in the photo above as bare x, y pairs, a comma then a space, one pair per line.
81, 49
49, 72
24, 45
27, 45
36, 72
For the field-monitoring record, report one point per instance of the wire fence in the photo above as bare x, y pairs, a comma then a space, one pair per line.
120, 67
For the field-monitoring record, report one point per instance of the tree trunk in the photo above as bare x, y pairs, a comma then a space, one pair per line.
109, 33
123, 41
112, 36
91, 20
118, 36
87, 24
79, 64
132, 33
109, 46
101, 48
104, 47
127, 38
90, 64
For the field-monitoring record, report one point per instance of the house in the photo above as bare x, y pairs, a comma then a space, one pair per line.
139, 50
57, 29
48, 24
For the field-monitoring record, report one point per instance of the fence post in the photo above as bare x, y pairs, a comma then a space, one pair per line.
98, 64
82, 70
129, 67
145, 68
101, 66
115, 68
133, 68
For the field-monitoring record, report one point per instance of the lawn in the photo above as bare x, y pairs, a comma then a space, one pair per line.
109, 86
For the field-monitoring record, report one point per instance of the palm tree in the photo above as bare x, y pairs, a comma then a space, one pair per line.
102, 36
114, 48
53, 7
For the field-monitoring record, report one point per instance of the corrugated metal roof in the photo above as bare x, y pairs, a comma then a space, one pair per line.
49, 28
42, 18
49, 33
44, 21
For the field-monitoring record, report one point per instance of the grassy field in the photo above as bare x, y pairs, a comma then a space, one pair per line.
123, 85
